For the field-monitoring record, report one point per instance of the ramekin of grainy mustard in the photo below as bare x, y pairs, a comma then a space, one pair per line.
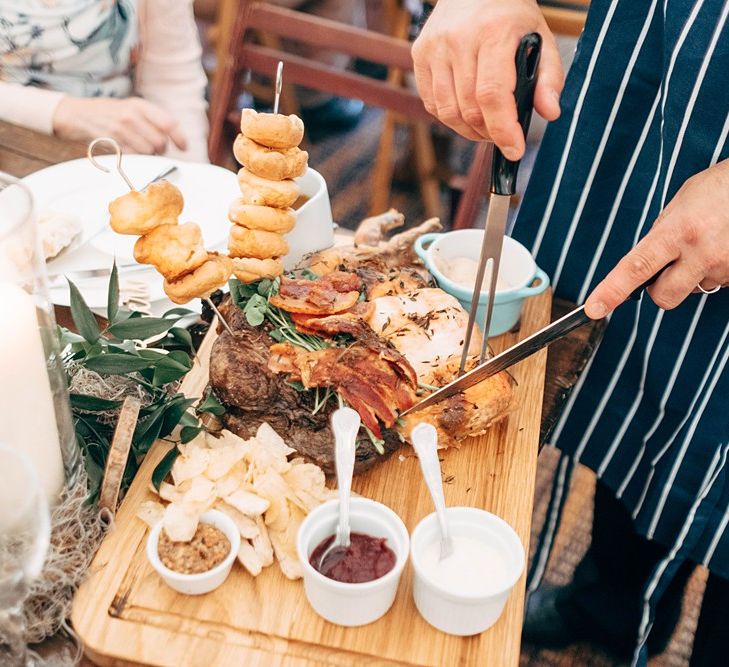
201, 564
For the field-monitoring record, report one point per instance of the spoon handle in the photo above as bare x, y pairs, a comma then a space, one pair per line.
345, 424
425, 442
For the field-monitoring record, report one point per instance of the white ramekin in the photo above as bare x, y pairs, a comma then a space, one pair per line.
203, 582
465, 614
314, 228
352, 604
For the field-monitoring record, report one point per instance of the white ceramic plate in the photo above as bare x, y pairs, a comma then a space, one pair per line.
78, 189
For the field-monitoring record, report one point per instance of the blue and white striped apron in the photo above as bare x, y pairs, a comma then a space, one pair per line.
645, 107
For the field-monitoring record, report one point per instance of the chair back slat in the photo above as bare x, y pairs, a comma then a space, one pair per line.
322, 33
327, 34
319, 76
565, 17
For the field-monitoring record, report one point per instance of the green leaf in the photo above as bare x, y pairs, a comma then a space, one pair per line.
183, 337
179, 312
92, 403
148, 431
153, 355
188, 433
164, 467
116, 364
240, 293
112, 297
170, 369
255, 310
95, 474
264, 287
140, 328
182, 358
173, 414
188, 419
67, 338
82, 316
211, 405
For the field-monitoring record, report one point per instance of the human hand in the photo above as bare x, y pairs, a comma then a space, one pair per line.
465, 71
138, 125
691, 234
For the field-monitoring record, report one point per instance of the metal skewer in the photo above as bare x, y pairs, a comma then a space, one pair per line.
161, 175
226, 326
117, 149
278, 86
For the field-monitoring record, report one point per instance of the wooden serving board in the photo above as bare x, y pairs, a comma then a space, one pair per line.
125, 614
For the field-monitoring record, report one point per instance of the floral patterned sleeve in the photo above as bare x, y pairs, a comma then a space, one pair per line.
169, 71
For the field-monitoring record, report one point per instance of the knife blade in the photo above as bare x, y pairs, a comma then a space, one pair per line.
503, 186
523, 349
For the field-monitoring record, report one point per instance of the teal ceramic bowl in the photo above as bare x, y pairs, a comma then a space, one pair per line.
518, 272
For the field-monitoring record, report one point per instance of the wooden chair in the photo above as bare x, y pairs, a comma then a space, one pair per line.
565, 17
311, 30
398, 20
308, 29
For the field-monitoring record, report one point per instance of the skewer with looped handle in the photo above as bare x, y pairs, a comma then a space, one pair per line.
118, 151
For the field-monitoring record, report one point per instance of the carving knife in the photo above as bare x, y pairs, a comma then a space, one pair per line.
516, 353
507, 358
503, 186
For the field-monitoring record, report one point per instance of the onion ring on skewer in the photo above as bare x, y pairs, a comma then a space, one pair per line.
174, 250
266, 218
202, 281
262, 192
138, 213
275, 164
256, 243
251, 269
272, 129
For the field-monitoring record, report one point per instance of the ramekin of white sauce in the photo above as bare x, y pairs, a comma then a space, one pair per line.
452, 258
465, 593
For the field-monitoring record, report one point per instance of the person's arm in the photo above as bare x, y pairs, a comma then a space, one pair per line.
170, 73
28, 106
465, 71
691, 234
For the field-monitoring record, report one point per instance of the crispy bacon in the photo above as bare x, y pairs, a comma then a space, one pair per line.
352, 321
373, 382
331, 294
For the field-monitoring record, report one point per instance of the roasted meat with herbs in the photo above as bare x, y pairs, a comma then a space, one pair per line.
252, 394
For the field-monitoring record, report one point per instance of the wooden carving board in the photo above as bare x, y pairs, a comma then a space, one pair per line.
125, 614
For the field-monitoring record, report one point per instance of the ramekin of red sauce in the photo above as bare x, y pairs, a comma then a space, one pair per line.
357, 585
365, 559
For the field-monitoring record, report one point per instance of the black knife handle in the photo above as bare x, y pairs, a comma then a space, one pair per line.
503, 172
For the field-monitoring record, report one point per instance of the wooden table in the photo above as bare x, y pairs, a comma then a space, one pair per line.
23, 151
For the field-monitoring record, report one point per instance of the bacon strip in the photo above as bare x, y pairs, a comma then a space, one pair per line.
352, 321
334, 293
374, 385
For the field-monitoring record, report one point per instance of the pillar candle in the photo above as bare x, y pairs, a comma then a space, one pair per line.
27, 413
